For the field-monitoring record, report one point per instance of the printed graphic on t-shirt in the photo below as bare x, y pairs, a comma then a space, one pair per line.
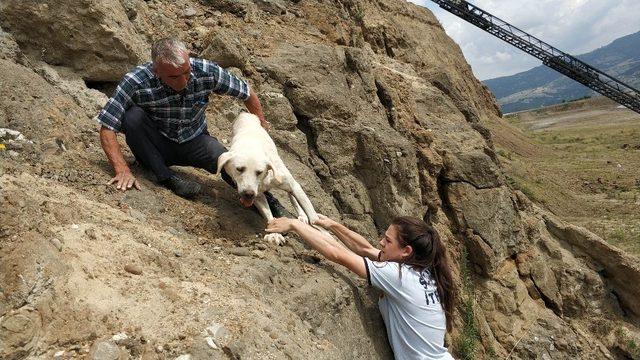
430, 287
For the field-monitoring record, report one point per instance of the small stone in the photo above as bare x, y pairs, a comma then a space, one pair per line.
13, 154
261, 246
58, 355
137, 215
119, 337
57, 244
399, 153
218, 332
133, 269
190, 12
91, 233
104, 350
258, 253
75, 226
210, 22
177, 254
239, 251
184, 357
211, 343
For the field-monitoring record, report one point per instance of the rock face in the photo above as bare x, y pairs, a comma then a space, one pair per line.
375, 112
94, 38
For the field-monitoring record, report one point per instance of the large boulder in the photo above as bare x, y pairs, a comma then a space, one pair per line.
93, 37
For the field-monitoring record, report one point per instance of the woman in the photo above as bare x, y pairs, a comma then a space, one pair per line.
411, 269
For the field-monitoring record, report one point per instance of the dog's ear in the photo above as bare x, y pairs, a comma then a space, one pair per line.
222, 159
276, 175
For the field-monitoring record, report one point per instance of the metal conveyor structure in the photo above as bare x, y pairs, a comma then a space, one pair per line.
558, 60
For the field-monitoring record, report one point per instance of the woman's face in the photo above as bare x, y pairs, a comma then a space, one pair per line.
391, 248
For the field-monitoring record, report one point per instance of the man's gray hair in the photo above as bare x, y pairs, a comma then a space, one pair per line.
169, 51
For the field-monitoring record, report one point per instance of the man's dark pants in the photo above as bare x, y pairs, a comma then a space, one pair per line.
156, 152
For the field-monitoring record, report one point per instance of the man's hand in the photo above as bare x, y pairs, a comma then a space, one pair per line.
324, 221
124, 181
254, 107
280, 225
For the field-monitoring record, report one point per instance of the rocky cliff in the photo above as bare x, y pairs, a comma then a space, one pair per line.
377, 114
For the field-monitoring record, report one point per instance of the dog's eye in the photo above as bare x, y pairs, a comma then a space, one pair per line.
240, 169
258, 172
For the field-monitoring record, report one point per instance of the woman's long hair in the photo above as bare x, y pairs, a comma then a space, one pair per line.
428, 253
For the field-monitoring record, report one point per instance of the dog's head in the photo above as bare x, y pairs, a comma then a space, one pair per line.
249, 172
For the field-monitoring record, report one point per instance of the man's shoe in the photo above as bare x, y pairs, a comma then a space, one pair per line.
277, 210
182, 187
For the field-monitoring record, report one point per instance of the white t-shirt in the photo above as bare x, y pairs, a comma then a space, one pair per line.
411, 310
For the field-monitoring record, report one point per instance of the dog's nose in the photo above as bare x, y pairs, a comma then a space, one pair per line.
248, 194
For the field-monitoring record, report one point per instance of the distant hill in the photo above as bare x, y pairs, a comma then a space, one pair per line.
542, 86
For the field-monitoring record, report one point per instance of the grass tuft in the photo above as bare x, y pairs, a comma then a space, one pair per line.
469, 338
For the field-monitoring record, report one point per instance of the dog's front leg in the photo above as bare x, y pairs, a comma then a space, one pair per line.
263, 207
302, 216
304, 202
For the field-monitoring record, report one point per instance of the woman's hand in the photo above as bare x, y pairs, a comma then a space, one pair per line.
280, 225
324, 221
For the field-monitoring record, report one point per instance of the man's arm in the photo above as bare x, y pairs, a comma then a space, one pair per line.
123, 179
222, 82
254, 107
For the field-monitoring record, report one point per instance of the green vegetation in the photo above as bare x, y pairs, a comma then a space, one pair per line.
626, 238
504, 153
627, 343
584, 168
469, 338
522, 186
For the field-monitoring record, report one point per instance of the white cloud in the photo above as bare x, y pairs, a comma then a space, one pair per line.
573, 26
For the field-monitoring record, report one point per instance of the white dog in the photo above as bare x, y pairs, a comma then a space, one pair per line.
253, 162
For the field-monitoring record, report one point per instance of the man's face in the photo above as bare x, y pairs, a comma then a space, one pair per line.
174, 77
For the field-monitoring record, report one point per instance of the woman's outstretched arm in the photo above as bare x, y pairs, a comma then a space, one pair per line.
354, 241
324, 244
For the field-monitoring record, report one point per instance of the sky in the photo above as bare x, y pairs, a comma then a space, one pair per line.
573, 26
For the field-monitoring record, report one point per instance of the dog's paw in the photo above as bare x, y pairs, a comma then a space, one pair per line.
275, 238
303, 218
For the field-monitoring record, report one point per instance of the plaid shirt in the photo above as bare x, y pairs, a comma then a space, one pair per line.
178, 116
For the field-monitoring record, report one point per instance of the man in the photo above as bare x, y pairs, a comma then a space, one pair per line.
160, 107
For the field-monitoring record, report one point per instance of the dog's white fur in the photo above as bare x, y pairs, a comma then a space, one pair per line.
253, 162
